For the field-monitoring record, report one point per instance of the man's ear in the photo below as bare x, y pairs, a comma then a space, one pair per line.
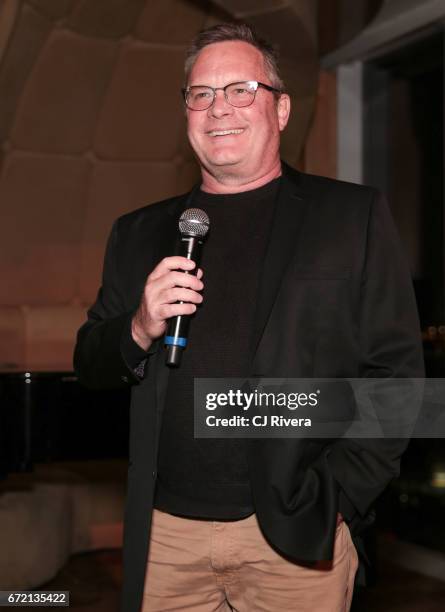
283, 110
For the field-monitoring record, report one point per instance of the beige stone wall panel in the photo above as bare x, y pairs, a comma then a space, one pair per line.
42, 201
30, 33
9, 10
243, 8
62, 99
12, 338
115, 189
187, 175
169, 21
300, 80
307, 13
186, 152
105, 18
213, 19
54, 9
49, 336
143, 114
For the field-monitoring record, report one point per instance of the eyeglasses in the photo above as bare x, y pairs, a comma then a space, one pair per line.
242, 93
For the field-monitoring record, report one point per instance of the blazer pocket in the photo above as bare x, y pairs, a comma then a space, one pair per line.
321, 273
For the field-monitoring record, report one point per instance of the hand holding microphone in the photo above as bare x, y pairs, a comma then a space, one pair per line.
171, 291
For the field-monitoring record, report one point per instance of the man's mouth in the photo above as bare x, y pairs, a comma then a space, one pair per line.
214, 133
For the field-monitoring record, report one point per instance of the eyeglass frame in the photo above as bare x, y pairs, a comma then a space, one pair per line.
186, 90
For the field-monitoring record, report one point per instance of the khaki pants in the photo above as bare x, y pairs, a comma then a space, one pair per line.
210, 566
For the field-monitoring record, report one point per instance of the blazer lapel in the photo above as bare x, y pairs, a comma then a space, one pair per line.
290, 209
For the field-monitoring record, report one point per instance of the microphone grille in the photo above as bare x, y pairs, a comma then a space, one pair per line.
194, 222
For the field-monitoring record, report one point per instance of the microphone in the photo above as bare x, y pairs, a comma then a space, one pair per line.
193, 226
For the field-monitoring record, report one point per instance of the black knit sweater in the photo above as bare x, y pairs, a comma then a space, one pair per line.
200, 477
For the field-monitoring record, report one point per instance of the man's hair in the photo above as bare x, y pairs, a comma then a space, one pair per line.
234, 31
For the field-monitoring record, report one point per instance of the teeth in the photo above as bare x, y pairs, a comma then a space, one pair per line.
225, 132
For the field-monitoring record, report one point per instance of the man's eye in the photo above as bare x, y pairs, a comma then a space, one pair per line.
239, 91
202, 95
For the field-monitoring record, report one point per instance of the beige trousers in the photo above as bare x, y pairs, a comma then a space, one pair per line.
210, 566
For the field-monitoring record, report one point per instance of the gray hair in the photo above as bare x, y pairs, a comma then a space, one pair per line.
234, 31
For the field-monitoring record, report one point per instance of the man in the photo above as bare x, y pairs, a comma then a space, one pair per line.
301, 277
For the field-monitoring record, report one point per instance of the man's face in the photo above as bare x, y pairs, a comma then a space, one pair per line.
250, 153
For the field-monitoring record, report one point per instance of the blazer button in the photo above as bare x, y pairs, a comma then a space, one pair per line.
153, 474
124, 378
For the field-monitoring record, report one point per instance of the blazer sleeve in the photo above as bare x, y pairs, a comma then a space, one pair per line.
105, 355
390, 346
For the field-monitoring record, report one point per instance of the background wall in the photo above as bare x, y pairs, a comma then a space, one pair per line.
92, 126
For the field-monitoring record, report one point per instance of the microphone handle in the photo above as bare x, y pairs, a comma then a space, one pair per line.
177, 333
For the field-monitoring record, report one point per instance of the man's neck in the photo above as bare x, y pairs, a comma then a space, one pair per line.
235, 184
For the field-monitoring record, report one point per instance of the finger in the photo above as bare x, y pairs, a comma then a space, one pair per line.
167, 311
180, 294
200, 274
176, 262
179, 279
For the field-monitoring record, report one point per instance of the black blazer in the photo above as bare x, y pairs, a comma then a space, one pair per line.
335, 300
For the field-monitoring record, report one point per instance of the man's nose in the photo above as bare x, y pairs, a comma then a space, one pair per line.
220, 106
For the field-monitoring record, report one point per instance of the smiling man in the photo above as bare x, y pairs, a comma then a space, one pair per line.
301, 277
234, 123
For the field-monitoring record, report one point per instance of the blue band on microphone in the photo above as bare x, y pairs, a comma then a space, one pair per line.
175, 341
